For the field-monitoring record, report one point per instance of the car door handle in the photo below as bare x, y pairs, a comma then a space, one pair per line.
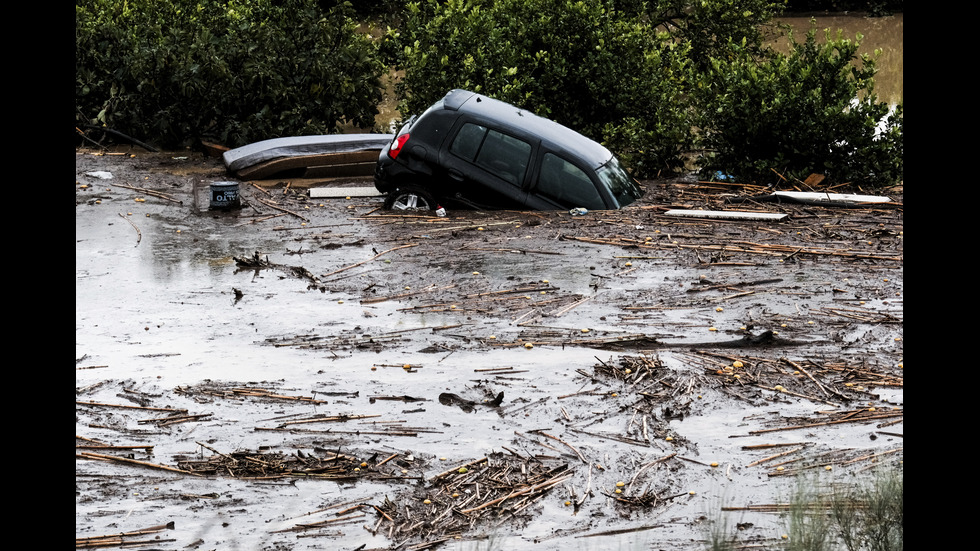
456, 175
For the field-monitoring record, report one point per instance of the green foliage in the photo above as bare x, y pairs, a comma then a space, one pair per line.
808, 524
234, 72
811, 111
867, 516
872, 518
582, 63
710, 27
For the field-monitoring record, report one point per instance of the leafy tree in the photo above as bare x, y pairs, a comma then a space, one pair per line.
709, 27
236, 71
811, 111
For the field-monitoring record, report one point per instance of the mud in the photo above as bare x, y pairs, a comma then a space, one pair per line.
323, 374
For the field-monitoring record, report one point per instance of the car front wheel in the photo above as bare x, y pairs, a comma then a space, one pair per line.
410, 198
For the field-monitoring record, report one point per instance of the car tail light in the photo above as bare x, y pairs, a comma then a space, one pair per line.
396, 147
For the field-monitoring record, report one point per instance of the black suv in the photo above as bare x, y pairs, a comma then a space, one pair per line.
468, 150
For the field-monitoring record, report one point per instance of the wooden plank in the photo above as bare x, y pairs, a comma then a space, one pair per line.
339, 171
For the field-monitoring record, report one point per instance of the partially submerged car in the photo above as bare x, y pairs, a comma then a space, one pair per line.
468, 150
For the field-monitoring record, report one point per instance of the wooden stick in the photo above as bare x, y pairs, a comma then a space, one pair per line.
164, 421
764, 446
578, 453
370, 259
126, 406
228, 457
150, 192
456, 469
522, 491
384, 514
335, 418
276, 207
563, 311
429, 289
872, 456
139, 234
150, 530
90, 455
650, 464
825, 423
777, 456
108, 447
387, 459
807, 373
261, 392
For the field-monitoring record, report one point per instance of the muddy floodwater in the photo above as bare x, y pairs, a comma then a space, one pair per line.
323, 374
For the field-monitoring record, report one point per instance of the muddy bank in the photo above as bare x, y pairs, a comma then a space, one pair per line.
320, 373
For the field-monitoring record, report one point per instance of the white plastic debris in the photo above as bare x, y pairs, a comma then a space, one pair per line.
815, 196
335, 192
100, 174
731, 215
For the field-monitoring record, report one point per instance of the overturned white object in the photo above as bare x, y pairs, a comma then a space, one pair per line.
259, 152
727, 214
334, 192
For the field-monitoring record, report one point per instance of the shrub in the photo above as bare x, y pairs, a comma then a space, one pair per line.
811, 111
872, 517
865, 516
234, 72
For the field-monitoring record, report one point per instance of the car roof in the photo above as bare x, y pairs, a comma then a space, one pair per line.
555, 135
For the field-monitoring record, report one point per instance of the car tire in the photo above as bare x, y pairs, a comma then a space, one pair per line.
410, 198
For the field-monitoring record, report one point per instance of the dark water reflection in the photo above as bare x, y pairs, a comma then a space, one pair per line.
884, 33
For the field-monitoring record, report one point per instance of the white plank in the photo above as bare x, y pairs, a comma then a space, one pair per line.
831, 197
725, 214
335, 192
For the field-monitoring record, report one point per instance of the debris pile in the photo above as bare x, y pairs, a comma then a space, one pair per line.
834, 383
264, 466
496, 487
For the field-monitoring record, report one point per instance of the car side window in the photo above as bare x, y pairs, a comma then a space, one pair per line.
468, 141
498, 153
567, 184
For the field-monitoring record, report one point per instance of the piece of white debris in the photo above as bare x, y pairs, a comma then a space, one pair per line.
100, 174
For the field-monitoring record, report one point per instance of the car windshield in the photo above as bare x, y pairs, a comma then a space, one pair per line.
620, 184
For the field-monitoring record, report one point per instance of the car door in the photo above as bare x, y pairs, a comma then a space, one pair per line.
486, 166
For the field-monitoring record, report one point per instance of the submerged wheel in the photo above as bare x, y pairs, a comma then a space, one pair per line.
410, 198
